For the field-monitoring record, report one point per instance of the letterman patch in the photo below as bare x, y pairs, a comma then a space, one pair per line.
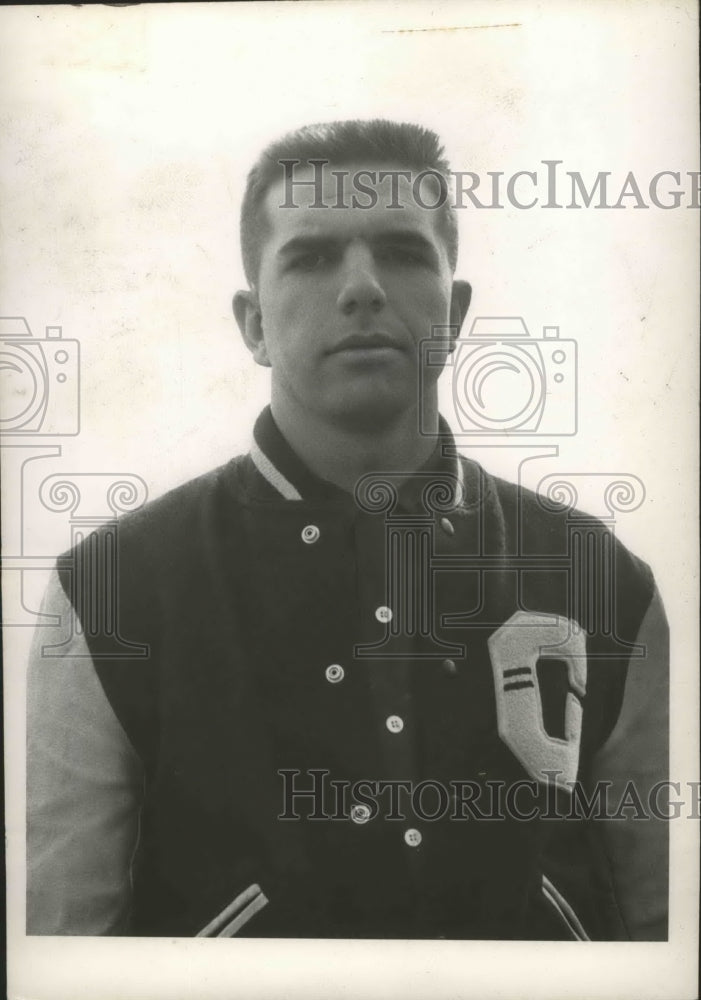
515, 650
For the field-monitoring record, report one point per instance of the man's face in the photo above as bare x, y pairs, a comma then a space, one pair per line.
346, 295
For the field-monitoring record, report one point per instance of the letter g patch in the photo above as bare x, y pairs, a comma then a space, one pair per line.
514, 650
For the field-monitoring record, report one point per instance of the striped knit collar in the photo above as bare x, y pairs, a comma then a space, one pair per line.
287, 474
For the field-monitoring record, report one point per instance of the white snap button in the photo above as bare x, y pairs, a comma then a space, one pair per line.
395, 724
360, 813
383, 614
450, 667
447, 526
334, 673
310, 534
412, 837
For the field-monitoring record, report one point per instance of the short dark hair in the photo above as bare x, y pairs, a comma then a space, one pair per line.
342, 142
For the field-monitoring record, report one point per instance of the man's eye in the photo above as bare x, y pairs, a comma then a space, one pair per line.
400, 255
311, 261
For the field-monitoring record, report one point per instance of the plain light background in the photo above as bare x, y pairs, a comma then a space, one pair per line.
126, 137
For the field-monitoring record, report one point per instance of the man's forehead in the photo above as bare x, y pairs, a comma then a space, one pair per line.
351, 198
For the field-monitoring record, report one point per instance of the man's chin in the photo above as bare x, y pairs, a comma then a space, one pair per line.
370, 412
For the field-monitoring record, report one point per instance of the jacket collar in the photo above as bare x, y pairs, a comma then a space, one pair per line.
291, 479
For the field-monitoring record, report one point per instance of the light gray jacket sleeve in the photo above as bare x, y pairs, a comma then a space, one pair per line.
635, 758
84, 788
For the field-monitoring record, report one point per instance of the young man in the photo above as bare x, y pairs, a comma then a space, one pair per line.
351, 688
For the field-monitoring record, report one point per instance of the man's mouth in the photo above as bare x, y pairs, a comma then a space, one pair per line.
366, 343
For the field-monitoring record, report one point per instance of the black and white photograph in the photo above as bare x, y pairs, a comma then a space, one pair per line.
348, 424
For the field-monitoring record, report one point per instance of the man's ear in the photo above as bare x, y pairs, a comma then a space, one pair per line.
459, 304
250, 323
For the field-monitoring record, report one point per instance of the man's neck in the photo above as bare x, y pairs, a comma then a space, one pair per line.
341, 451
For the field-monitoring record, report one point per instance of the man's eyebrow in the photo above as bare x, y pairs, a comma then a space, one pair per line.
407, 237
306, 243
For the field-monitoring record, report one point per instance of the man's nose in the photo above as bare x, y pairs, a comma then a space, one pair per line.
361, 289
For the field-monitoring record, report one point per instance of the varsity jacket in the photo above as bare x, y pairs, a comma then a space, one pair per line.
270, 708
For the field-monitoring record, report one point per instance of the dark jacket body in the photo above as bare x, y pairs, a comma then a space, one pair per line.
214, 661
